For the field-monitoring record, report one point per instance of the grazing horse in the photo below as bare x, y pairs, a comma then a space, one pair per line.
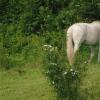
89, 33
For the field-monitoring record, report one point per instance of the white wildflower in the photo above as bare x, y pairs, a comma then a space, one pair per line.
48, 46
76, 72
65, 73
53, 64
47, 72
52, 49
71, 70
85, 62
53, 82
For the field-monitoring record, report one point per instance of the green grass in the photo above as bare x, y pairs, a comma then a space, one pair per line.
28, 82
25, 84
90, 87
25, 79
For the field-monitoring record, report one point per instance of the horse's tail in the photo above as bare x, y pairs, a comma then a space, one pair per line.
70, 48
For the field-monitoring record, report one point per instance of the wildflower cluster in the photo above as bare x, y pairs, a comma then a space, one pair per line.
64, 80
71, 73
49, 48
50, 54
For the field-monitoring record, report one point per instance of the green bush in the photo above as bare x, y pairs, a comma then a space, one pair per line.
63, 78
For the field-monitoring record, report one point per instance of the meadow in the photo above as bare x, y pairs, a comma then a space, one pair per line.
25, 84
33, 60
43, 75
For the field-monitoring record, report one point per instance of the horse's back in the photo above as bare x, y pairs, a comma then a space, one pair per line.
92, 35
89, 32
78, 31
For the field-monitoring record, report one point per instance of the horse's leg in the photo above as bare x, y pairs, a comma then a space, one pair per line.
91, 55
99, 53
76, 47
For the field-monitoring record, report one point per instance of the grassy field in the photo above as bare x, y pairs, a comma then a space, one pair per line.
25, 84
90, 87
31, 84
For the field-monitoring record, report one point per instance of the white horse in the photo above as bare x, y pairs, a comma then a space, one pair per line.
89, 33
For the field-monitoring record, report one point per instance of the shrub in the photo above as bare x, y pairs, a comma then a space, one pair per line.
63, 78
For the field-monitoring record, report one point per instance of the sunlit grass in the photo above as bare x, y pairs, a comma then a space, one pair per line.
26, 80
90, 86
25, 84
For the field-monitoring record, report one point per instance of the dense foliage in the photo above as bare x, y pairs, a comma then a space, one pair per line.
47, 15
20, 18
